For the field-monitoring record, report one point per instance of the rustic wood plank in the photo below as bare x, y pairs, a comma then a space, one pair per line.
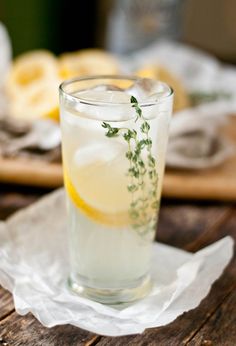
197, 184
221, 228
180, 225
182, 329
220, 329
34, 172
187, 325
17, 330
6, 303
13, 202
13, 198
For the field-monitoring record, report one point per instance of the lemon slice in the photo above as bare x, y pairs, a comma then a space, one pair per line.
39, 102
30, 69
87, 62
181, 99
32, 86
118, 219
53, 114
96, 181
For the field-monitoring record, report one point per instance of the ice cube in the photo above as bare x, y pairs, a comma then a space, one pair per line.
145, 90
104, 105
106, 96
98, 152
106, 87
142, 88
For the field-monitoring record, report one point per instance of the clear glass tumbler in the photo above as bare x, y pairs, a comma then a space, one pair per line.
114, 138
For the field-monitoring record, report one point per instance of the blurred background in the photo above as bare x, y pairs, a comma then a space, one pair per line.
120, 25
189, 44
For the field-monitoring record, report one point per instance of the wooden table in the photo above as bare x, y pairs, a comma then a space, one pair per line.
187, 225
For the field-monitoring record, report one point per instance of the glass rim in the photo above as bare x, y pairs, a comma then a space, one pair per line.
91, 102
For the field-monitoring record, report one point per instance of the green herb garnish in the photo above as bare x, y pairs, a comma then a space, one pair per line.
142, 171
199, 97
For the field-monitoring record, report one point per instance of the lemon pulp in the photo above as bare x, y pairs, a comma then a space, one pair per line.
99, 191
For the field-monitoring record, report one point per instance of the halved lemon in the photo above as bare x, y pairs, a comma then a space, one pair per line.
53, 114
30, 69
38, 102
32, 86
87, 62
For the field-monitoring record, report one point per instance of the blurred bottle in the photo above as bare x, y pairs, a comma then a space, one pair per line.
133, 24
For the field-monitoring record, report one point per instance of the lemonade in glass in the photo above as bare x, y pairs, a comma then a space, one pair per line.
114, 138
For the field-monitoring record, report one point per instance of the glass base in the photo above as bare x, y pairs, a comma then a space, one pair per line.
112, 296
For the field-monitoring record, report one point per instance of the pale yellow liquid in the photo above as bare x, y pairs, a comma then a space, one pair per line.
104, 185
107, 252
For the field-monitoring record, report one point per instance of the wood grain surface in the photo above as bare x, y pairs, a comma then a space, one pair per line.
186, 225
35, 173
218, 183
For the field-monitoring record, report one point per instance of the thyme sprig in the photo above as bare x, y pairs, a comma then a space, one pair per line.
142, 171
199, 97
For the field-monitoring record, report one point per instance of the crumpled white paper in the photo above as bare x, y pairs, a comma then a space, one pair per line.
34, 267
193, 145
198, 70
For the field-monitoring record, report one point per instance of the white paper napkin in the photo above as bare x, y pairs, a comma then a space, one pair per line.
34, 267
198, 70
202, 73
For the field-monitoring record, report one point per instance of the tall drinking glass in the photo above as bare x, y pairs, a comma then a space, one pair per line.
114, 138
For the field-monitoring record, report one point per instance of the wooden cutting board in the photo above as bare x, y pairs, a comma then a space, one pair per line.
217, 183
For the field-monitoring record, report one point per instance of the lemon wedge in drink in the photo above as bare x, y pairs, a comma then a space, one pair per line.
98, 186
116, 219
